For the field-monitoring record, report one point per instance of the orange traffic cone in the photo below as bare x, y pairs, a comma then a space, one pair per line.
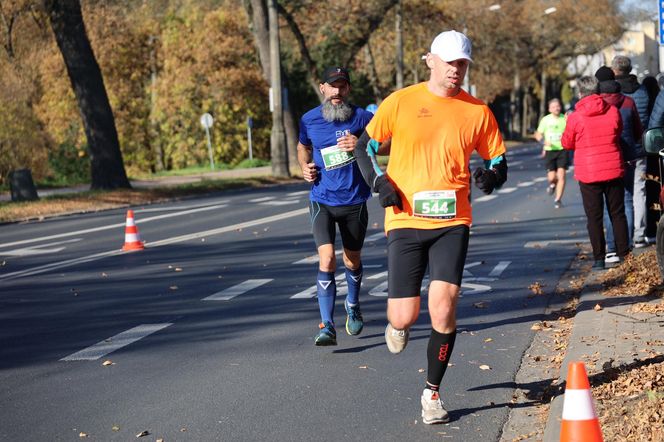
132, 240
580, 423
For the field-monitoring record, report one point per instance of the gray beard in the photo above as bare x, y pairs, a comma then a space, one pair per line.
336, 112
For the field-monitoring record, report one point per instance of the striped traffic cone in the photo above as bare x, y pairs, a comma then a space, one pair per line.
132, 240
580, 423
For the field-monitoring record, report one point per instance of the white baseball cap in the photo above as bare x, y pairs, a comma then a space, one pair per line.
451, 45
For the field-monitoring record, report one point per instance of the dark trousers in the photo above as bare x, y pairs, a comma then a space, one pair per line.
593, 195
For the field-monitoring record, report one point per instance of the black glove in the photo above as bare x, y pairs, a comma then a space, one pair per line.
485, 180
387, 194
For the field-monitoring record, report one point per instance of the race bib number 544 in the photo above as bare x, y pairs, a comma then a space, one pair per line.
435, 204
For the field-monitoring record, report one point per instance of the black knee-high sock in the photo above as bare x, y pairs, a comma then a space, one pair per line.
438, 354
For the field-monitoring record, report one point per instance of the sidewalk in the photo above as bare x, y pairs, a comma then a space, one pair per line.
161, 181
612, 336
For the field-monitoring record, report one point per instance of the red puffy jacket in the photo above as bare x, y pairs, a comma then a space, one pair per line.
593, 131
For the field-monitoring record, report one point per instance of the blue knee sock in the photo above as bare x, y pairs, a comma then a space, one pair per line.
326, 289
354, 280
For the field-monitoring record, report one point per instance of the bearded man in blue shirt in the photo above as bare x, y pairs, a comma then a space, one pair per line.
328, 134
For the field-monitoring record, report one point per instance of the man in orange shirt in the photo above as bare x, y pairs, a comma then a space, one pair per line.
434, 127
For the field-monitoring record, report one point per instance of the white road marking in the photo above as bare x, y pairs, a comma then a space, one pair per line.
470, 265
539, 244
113, 226
515, 163
485, 198
174, 208
116, 342
236, 290
299, 193
499, 269
205, 233
380, 290
260, 200
474, 288
540, 179
525, 184
507, 190
314, 258
41, 249
280, 202
378, 275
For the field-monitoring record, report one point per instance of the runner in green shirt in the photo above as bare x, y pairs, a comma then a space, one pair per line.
549, 131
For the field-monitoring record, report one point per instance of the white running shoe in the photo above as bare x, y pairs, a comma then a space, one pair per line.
396, 340
432, 408
611, 257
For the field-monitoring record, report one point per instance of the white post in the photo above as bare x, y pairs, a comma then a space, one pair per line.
209, 145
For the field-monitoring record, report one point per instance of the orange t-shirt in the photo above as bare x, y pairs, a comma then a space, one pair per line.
432, 140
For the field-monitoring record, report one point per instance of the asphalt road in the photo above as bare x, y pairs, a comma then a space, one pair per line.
208, 332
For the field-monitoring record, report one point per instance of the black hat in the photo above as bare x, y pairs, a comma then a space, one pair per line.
605, 74
334, 73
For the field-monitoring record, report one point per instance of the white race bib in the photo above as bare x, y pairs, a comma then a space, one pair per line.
439, 204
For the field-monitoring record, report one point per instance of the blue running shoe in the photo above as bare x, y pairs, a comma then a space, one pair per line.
327, 335
354, 322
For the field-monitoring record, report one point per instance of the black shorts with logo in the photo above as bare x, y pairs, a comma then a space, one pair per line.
410, 251
556, 159
352, 221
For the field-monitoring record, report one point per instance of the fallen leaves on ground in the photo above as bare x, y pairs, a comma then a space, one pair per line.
536, 288
630, 403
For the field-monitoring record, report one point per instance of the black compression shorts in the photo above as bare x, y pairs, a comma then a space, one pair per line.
409, 251
352, 221
556, 159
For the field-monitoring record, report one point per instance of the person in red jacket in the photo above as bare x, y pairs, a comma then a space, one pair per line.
609, 90
593, 131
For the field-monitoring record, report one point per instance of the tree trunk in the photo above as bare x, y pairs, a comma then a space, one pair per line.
373, 75
278, 139
257, 11
398, 30
106, 165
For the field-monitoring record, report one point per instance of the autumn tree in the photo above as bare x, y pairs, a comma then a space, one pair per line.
106, 165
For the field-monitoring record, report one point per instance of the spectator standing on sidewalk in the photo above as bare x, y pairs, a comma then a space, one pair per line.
328, 135
629, 85
609, 90
593, 132
549, 131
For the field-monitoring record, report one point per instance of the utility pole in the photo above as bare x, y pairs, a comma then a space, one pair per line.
278, 150
399, 43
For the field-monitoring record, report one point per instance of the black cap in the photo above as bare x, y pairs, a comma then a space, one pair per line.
334, 73
605, 74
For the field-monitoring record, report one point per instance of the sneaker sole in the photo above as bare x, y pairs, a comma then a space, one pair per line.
325, 343
443, 420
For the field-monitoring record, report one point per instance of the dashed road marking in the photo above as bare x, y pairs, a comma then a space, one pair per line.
113, 226
202, 234
260, 200
525, 184
499, 268
280, 203
41, 249
236, 290
539, 244
485, 198
116, 342
507, 190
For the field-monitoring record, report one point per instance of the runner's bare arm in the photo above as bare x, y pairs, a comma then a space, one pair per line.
304, 157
